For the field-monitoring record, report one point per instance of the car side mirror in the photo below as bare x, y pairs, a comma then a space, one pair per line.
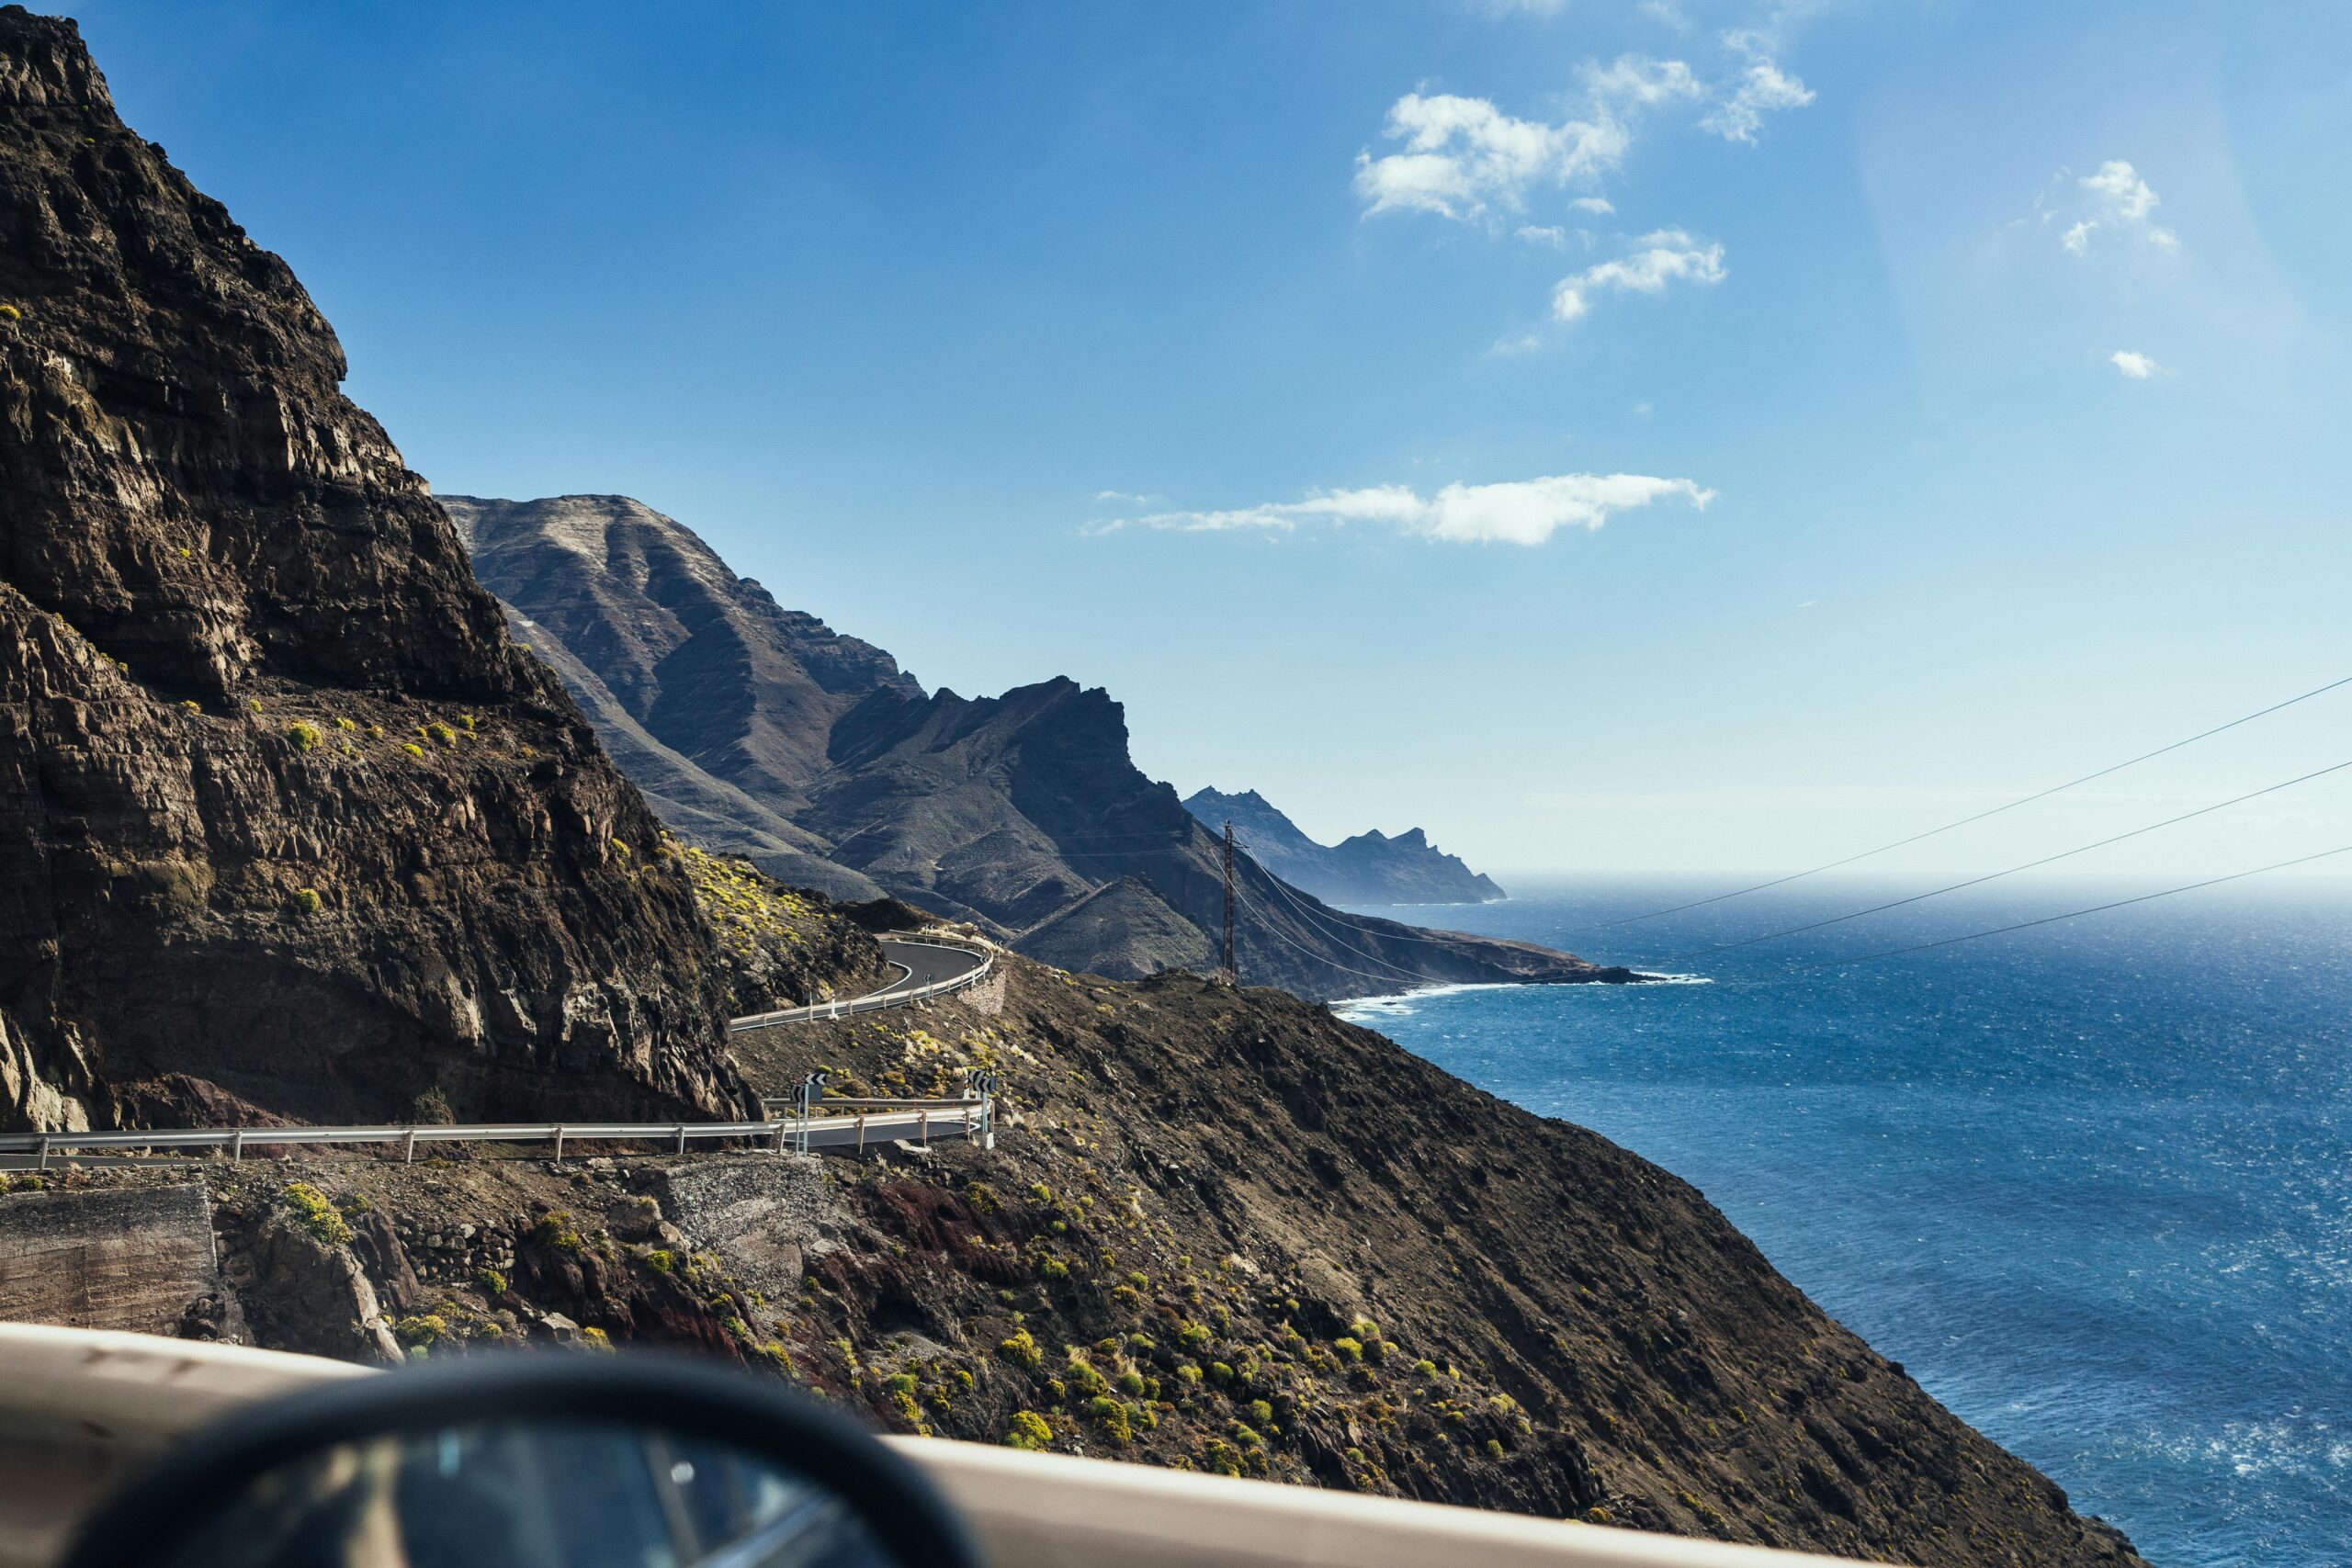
531, 1462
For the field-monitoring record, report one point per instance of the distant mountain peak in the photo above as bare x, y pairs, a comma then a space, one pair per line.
1370, 868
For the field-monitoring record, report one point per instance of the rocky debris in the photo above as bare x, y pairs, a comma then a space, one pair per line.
1370, 868
284, 815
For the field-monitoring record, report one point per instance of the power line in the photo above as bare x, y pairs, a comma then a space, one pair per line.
1995, 875
1267, 922
1282, 889
1979, 817
2071, 914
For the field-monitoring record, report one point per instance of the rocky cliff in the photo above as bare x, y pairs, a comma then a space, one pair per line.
763, 732
1370, 868
285, 819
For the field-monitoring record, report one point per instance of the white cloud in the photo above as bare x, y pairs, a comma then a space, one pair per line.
1669, 255
1120, 495
2113, 199
1463, 157
1554, 237
1598, 205
2135, 365
1511, 345
1759, 90
1637, 80
1518, 511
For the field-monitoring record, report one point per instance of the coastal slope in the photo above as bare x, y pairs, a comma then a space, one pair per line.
763, 732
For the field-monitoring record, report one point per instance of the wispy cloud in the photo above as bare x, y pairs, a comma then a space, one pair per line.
2114, 200
1462, 158
1122, 497
1666, 255
1598, 205
1518, 511
2135, 365
1761, 89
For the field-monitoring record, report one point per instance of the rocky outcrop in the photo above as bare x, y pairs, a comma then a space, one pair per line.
763, 733
1370, 868
283, 808
135, 1258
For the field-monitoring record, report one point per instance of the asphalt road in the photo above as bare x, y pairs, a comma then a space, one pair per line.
921, 963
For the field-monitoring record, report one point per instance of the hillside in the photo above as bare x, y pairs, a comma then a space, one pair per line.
763, 732
1206, 1239
1370, 868
287, 822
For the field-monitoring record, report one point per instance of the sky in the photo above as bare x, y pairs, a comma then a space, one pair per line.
1671, 435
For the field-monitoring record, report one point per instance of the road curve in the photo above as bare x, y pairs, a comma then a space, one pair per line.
926, 969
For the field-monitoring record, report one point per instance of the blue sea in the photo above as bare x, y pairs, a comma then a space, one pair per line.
2087, 1182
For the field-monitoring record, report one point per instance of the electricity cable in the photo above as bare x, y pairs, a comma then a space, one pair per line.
2011, 870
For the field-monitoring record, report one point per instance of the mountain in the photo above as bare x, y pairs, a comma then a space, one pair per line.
762, 731
287, 823
1370, 868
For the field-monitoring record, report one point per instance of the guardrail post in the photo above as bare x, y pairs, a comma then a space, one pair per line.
408, 1148
923, 1119
682, 1137
44, 1156
779, 1135
237, 1144
861, 1133
559, 1146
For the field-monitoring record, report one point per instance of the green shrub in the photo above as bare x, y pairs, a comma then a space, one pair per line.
1130, 1383
375, 732
1189, 1372
595, 1340
1118, 1420
492, 1282
1261, 1413
1425, 1367
467, 720
423, 1331
1494, 1447
438, 731
1245, 1436
1350, 1349
1052, 1269
306, 900
659, 1260
555, 1232
1220, 1374
346, 724
1081, 1376
1140, 1344
1022, 1350
1027, 1430
315, 1214
414, 749
10, 314
1194, 1336
191, 706
306, 737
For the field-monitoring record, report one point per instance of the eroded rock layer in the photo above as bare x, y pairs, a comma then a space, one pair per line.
282, 808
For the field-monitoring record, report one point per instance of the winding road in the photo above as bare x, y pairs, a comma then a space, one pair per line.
926, 969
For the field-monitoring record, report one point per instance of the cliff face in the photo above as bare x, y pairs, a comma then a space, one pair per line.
762, 732
1370, 868
282, 809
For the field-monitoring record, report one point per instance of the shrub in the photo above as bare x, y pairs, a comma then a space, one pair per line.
1027, 1430
1130, 1383
1189, 1372
10, 314
1118, 1420
492, 1282
595, 1340
1349, 1347
1220, 1374
190, 704
423, 1331
306, 900
1140, 1344
1494, 1447
1052, 1269
1425, 1367
1020, 1351
315, 1214
1596, 1515
346, 724
1245, 1436
467, 720
1194, 1335
554, 1232
306, 737
414, 749
375, 732
659, 1260
1081, 1376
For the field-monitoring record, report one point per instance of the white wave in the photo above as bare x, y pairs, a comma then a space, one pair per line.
1405, 1004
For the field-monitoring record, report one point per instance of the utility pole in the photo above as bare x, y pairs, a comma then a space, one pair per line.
1232, 970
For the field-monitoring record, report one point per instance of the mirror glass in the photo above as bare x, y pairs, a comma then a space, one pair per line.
532, 1495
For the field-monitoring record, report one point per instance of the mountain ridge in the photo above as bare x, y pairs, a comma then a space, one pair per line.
1012, 812
1369, 868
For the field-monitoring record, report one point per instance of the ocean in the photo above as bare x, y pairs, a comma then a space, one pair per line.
2087, 1182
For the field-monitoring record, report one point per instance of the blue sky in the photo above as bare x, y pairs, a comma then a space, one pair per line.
1958, 389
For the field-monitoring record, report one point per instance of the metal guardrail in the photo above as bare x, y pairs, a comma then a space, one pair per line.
971, 1119
877, 1000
